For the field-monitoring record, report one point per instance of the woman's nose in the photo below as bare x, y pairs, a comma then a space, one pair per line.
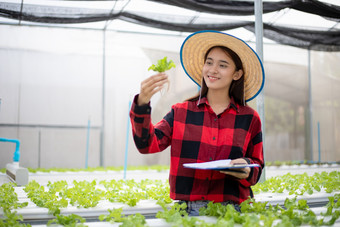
213, 68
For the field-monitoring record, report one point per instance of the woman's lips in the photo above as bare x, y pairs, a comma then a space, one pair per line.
213, 78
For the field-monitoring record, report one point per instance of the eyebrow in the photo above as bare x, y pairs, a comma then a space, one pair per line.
222, 61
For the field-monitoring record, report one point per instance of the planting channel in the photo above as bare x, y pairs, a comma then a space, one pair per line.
96, 196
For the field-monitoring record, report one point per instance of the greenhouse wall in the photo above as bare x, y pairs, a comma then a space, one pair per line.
325, 69
61, 88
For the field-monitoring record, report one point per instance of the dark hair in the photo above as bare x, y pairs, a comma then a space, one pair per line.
236, 89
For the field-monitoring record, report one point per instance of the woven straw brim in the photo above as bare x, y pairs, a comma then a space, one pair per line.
197, 44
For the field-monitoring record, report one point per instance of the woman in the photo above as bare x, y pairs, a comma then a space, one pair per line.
214, 125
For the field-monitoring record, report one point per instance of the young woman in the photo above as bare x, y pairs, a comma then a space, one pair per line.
214, 125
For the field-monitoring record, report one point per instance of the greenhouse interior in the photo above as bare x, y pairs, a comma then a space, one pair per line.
69, 72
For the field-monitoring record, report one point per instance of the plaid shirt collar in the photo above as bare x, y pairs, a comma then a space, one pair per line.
204, 101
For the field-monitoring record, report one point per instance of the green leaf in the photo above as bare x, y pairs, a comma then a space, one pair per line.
302, 204
162, 65
136, 220
115, 215
71, 220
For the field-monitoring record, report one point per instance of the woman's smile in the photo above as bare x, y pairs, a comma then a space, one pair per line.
213, 78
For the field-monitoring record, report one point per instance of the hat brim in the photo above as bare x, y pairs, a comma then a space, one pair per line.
197, 44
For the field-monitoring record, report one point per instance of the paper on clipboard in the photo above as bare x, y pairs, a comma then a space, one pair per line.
218, 165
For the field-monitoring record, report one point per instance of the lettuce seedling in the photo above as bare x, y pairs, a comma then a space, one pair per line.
162, 65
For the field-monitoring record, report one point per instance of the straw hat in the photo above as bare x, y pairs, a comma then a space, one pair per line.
197, 44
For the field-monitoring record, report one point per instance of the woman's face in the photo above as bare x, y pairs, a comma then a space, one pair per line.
219, 70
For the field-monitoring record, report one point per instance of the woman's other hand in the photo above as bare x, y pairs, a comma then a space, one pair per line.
242, 173
150, 86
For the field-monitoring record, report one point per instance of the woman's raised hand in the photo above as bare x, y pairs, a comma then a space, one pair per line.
150, 86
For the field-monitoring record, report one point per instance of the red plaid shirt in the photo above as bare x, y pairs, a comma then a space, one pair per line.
197, 134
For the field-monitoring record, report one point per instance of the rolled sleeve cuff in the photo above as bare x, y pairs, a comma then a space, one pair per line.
140, 110
246, 182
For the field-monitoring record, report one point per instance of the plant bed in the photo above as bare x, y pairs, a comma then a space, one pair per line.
93, 199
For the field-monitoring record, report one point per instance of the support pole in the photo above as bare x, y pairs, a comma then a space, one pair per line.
87, 143
310, 109
102, 128
319, 143
259, 50
127, 141
39, 148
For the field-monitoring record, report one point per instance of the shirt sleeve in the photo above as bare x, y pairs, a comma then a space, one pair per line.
149, 138
254, 154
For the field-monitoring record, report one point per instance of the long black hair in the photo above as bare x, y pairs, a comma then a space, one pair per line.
236, 89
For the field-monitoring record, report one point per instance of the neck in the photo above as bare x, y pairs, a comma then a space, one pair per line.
218, 100
218, 97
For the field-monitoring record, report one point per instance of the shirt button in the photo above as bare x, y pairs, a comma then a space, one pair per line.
203, 197
210, 158
207, 179
215, 119
214, 138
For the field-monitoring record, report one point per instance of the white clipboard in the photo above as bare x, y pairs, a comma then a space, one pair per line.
223, 164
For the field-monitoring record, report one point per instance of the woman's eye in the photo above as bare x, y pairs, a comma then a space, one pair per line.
223, 66
208, 63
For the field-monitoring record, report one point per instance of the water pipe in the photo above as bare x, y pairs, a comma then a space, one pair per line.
16, 156
17, 174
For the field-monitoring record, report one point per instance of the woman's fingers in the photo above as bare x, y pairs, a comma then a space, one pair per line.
160, 77
240, 173
150, 86
153, 84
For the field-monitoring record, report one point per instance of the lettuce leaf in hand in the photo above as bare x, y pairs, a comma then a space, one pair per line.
162, 65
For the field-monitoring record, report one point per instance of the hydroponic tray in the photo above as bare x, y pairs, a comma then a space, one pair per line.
270, 171
316, 199
148, 208
161, 223
149, 222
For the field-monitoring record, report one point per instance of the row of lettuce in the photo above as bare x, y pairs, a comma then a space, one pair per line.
166, 167
60, 195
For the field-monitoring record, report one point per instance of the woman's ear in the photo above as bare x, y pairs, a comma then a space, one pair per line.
238, 74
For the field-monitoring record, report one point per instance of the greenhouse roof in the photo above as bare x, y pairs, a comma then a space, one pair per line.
309, 24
